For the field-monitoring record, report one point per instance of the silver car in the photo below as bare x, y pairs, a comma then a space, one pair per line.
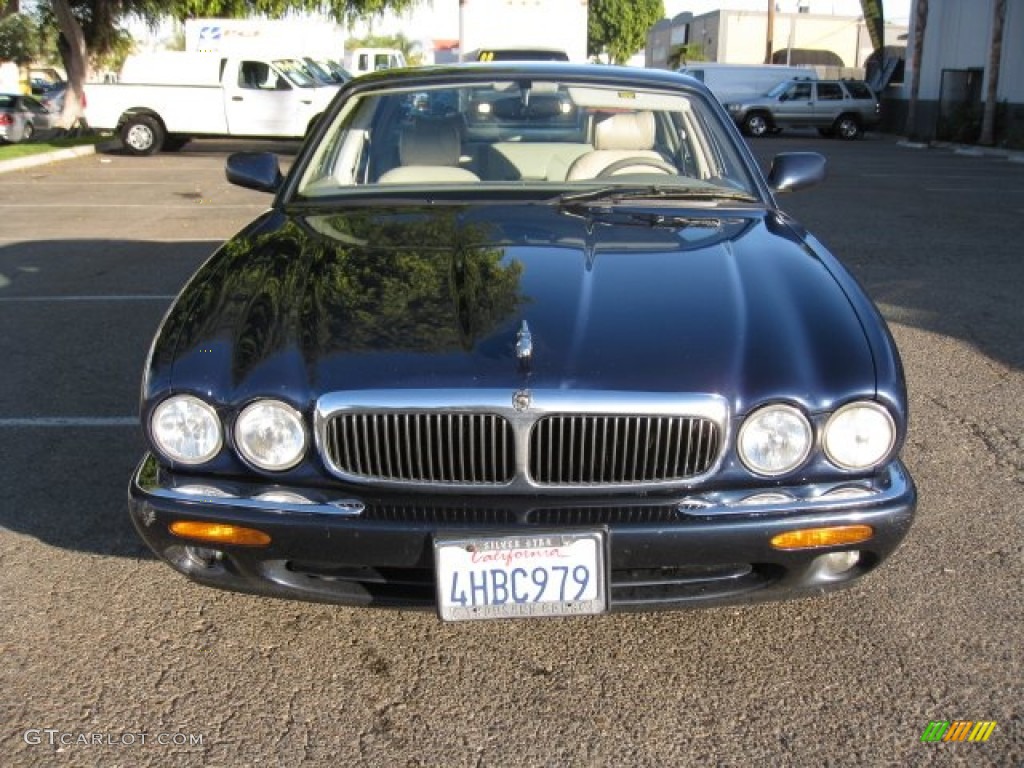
842, 108
22, 117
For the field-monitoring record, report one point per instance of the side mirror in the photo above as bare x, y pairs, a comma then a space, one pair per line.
254, 170
791, 171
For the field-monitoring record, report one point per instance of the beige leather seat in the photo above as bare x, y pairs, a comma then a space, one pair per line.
429, 151
617, 138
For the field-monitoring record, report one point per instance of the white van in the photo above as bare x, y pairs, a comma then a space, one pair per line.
363, 60
736, 82
164, 99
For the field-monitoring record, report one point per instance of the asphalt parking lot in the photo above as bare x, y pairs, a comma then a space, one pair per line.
109, 658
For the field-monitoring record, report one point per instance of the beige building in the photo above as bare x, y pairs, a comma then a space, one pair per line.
739, 37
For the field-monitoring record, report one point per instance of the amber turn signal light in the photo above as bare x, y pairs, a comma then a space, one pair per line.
812, 538
219, 533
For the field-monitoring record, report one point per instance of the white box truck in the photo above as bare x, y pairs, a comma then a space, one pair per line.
164, 99
309, 37
503, 30
736, 82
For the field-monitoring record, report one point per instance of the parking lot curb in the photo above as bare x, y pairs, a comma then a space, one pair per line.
45, 158
973, 150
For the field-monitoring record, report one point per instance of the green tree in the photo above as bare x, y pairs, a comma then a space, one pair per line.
618, 28
681, 55
19, 39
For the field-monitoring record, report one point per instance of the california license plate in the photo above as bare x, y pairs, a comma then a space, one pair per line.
521, 576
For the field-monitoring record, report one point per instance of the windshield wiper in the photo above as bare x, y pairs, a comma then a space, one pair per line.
615, 193
659, 220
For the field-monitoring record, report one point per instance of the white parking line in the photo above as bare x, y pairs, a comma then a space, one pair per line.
27, 299
25, 241
40, 182
70, 421
1001, 191
162, 206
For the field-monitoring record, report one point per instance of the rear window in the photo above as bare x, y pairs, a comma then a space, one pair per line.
859, 90
830, 92
7, 101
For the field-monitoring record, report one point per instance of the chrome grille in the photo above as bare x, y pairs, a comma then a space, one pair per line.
449, 448
607, 450
540, 441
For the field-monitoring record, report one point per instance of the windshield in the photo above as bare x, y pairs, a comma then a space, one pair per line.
297, 72
320, 71
553, 136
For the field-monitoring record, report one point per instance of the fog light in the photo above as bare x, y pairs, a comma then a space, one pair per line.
848, 492
811, 538
768, 497
219, 533
836, 563
284, 497
203, 557
203, 490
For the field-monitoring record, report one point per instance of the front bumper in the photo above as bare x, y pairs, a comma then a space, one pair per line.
664, 552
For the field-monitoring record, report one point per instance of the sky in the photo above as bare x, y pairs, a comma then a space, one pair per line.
440, 18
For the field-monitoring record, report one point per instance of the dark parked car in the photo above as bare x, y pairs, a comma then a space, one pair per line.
22, 118
553, 351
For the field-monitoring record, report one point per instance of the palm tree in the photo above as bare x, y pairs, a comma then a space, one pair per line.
988, 119
920, 22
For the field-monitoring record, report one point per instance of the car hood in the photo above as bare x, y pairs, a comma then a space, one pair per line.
676, 300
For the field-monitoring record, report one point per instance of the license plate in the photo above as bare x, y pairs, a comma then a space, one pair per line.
521, 576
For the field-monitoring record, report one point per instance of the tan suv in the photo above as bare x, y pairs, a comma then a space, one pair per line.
843, 108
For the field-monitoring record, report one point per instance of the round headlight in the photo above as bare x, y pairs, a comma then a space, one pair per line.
775, 440
186, 430
269, 434
859, 436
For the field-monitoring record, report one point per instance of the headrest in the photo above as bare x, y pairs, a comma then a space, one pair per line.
626, 130
430, 142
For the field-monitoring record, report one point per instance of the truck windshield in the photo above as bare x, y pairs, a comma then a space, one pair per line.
296, 72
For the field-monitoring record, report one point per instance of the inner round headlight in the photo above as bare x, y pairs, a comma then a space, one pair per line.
775, 440
859, 435
269, 434
186, 430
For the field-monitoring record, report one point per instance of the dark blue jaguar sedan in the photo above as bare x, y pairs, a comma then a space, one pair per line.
524, 340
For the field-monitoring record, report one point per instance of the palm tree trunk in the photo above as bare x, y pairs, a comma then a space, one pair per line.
988, 120
920, 22
76, 62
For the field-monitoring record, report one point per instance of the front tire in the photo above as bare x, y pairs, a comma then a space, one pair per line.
28, 132
847, 128
142, 135
756, 124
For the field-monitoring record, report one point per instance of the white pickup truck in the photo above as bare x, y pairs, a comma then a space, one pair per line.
165, 99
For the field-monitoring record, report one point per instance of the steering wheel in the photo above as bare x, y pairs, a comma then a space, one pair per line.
644, 162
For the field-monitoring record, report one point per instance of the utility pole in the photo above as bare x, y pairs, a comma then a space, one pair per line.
769, 42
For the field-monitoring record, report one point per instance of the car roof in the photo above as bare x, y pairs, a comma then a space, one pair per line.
510, 70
